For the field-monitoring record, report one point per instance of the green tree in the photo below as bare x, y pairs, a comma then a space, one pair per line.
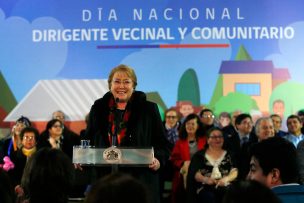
243, 55
234, 101
188, 88
7, 99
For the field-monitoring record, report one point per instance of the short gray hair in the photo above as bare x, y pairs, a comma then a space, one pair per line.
258, 123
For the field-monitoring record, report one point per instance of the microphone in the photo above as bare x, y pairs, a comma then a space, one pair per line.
116, 120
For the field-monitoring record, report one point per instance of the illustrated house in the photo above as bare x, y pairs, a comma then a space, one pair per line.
73, 97
254, 78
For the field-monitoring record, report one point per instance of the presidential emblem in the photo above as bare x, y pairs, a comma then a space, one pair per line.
112, 155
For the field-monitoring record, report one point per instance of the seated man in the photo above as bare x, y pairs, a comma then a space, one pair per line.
294, 126
277, 124
239, 144
274, 163
264, 128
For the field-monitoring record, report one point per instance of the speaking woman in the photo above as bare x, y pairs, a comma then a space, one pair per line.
123, 117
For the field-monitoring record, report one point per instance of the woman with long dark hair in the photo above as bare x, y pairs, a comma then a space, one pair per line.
190, 141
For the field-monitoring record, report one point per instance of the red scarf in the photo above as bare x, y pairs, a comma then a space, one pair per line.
122, 128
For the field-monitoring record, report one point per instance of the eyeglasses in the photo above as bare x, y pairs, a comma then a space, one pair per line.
246, 123
28, 138
216, 137
57, 126
207, 116
171, 117
117, 82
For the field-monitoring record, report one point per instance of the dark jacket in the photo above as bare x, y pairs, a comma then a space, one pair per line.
240, 153
144, 129
19, 159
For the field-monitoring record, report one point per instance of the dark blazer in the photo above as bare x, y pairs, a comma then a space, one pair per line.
240, 153
19, 159
144, 129
300, 152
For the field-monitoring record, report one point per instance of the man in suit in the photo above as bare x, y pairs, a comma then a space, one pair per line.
239, 143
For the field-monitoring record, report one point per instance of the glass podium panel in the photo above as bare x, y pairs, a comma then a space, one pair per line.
86, 155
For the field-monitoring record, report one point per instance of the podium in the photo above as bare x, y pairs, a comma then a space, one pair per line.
122, 156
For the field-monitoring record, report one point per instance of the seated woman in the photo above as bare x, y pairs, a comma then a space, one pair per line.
190, 141
29, 136
210, 171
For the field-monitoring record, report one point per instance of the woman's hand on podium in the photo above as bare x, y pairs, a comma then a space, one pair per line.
155, 165
78, 167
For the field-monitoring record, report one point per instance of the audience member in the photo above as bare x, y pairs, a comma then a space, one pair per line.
62, 117
75, 138
207, 119
277, 123
117, 188
13, 143
29, 136
172, 126
274, 163
48, 177
239, 144
249, 191
294, 125
230, 130
190, 141
264, 128
301, 115
211, 170
53, 137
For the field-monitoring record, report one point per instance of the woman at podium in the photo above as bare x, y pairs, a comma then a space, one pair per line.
124, 118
